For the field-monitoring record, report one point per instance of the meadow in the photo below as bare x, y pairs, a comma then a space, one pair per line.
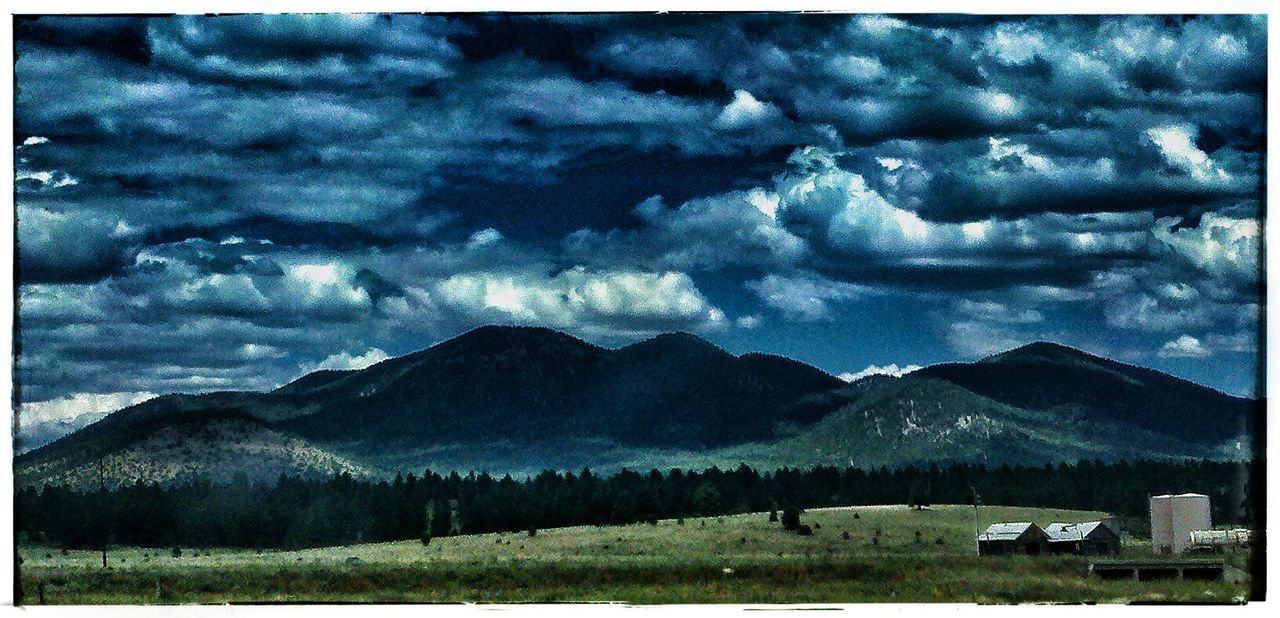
890, 554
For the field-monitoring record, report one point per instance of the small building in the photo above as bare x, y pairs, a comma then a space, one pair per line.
1010, 538
1093, 538
1174, 518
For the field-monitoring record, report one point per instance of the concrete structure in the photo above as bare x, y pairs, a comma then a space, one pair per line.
1174, 518
1090, 538
1013, 538
1147, 570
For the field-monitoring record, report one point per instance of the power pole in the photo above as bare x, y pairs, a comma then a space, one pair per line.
102, 503
977, 545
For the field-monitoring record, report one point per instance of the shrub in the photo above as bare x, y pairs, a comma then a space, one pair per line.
845, 535
680, 521
857, 516
790, 518
177, 552
532, 532
939, 541
804, 530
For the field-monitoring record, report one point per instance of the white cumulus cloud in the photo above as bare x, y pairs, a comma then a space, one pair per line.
583, 301
1185, 346
1177, 144
745, 110
892, 369
345, 360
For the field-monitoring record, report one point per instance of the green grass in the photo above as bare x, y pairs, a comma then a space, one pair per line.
732, 559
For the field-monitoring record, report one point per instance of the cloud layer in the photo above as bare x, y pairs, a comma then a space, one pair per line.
227, 202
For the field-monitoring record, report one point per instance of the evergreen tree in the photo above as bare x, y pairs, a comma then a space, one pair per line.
791, 518
429, 516
455, 518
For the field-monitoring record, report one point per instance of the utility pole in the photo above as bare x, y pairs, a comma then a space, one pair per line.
977, 545
102, 503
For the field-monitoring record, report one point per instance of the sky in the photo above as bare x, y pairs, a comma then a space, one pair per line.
227, 203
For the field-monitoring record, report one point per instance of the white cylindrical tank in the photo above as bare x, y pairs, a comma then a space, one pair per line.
1189, 512
1161, 523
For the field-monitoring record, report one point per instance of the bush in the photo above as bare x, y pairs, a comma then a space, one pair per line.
790, 518
804, 530
845, 535
857, 516
177, 552
680, 521
532, 533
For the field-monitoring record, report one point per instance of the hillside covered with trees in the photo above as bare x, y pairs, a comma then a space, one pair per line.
295, 513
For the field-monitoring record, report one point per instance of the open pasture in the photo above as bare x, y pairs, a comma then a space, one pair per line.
891, 553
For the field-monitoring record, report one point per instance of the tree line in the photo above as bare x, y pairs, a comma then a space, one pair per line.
297, 512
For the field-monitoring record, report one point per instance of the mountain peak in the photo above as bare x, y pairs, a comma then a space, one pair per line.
683, 338
510, 330
675, 341
503, 335
1043, 351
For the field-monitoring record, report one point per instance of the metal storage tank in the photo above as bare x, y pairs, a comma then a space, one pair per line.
1161, 523
1174, 517
1190, 513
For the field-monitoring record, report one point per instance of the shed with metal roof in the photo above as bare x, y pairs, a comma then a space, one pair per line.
1021, 537
1090, 537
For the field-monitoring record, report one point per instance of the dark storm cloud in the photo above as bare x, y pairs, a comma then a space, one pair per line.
122, 37
225, 202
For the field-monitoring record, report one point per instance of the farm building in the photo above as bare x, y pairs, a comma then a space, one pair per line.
1091, 538
1174, 518
1013, 538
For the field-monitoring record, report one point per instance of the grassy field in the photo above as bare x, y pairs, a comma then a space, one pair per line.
731, 559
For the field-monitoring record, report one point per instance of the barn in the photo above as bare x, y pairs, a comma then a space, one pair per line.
1013, 538
1091, 538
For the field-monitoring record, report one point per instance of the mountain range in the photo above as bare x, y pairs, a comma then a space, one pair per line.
522, 399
